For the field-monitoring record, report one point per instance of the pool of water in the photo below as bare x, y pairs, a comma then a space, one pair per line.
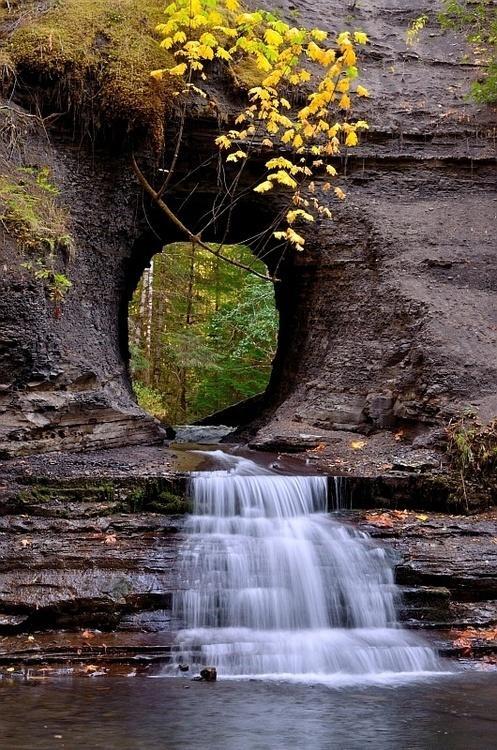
451, 713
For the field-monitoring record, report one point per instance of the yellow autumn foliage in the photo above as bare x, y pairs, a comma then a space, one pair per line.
285, 57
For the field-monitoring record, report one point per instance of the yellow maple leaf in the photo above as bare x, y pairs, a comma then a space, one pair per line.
236, 155
343, 38
352, 139
343, 85
263, 64
283, 178
178, 70
298, 214
279, 163
272, 38
360, 37
319, 35
223, 141
349, 57
263, 187
223, 54
295, 239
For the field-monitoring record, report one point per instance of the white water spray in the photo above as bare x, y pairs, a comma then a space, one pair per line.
274, 587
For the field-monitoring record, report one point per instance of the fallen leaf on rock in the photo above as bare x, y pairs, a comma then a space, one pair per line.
320, 447
464, 645
466, 638
483, 634
110, 539
388, 519
422, 517
357, 445
398, 435
87, 634
26, 542
90, 668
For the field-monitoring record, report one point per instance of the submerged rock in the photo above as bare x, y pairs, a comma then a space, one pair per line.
209, 674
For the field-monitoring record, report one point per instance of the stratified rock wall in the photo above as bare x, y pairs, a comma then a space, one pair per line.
64, 381
388, 318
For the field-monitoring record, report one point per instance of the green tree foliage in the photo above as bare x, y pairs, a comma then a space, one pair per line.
242, 335
479, 21
202, 333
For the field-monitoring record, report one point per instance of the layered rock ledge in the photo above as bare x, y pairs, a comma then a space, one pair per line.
89, 567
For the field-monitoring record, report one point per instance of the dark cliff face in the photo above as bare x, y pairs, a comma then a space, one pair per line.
64, 381
388, 319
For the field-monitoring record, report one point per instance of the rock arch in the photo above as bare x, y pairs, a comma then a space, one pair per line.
388, 320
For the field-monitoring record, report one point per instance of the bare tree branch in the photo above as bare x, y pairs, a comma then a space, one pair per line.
196, 238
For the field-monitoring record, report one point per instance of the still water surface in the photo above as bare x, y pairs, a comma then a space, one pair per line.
457, 712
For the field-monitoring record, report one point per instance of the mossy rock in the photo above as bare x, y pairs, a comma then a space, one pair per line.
97, 55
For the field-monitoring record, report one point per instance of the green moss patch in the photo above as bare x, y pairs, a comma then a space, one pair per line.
97, 55
150, 495
30, 209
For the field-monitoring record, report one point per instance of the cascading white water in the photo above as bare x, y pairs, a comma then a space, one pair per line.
273, 586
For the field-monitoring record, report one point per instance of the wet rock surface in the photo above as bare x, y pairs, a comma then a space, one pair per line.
447, 569
89, 580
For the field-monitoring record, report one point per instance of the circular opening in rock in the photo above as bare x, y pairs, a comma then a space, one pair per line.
202, 333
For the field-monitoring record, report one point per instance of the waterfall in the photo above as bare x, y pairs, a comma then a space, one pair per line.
274, 586
340, 496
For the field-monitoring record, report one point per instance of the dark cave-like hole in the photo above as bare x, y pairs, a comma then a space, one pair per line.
202, 333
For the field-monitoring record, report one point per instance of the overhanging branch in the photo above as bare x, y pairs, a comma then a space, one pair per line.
196, 238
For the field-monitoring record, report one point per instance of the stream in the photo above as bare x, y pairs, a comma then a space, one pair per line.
451, 713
